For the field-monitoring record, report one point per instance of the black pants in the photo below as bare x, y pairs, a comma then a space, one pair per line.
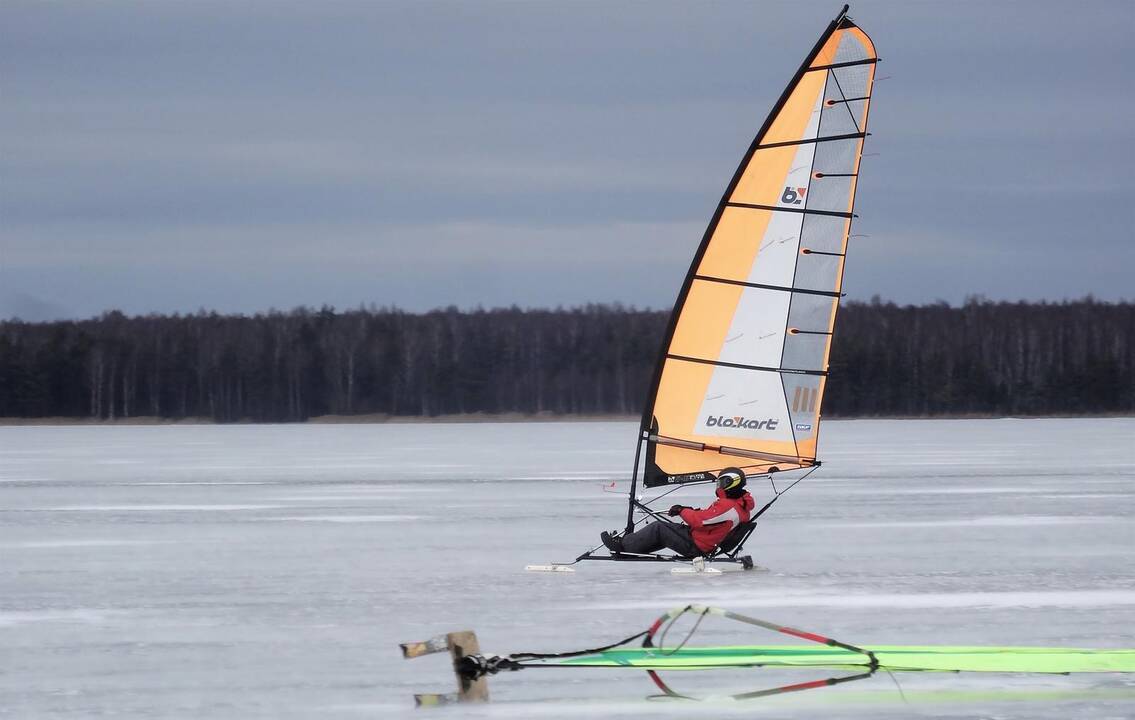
659, 535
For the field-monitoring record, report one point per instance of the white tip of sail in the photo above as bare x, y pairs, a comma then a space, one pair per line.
549, 568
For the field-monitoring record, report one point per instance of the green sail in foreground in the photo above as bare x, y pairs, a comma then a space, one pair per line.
825, 652
890, 657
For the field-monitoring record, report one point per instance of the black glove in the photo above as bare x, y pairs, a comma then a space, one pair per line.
676, 510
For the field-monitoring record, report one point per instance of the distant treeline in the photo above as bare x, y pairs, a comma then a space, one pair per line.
982, 358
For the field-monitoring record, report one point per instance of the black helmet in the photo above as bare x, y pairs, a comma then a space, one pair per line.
731, 480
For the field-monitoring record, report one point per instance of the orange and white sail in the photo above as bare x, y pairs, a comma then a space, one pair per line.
741, 378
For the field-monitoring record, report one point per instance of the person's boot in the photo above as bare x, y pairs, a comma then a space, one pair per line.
612, 543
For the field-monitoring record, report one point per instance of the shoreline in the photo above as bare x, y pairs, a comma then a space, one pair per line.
469, 418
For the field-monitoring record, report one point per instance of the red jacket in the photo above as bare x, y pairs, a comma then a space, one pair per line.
710, 526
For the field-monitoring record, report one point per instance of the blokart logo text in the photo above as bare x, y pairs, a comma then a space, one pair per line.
793, 196
741, 421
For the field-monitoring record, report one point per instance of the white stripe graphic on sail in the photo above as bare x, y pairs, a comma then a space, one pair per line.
754, 401
776, 259
744, 403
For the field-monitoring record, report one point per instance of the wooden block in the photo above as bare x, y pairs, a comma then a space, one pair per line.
458, 644
461, 644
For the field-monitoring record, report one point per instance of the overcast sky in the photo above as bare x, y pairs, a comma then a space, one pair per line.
239, 156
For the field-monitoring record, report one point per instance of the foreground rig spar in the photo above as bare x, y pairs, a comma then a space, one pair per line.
741, 373
653, 655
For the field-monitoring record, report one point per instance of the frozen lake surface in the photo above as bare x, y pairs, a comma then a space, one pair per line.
270, 571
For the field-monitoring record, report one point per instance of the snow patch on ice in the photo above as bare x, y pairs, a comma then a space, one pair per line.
987, 521
152, 508
89, 616
80, 543
1008, 599
350, 518
1085, 496
207, 482
937, 491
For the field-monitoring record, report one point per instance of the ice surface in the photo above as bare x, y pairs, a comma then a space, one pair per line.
270, 571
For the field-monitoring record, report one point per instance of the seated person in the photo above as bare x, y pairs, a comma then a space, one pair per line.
704, 529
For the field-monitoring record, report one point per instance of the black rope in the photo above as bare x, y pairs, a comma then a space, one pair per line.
576, 653
690, 634
477, 666
779, 493
897, 686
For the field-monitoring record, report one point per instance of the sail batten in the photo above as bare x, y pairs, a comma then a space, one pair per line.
745, 360
782, 288
848, 136
739, 366
802, 211
853, 63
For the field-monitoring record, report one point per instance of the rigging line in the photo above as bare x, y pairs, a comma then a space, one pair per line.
846, 104
654, 513
797, 480
897, 686
690, 634
777, 494
519, 657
